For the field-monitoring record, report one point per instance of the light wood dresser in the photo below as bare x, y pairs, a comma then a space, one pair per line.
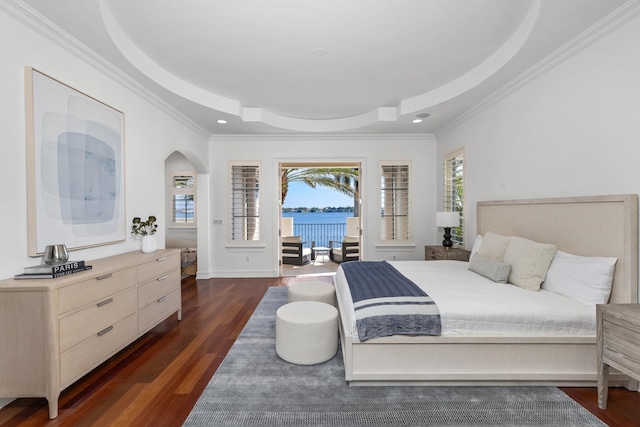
618, 345
54, 331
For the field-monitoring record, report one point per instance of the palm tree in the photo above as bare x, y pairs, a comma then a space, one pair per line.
344, 180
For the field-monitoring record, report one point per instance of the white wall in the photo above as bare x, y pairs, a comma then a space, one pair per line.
369, 150
572, 131
151, 134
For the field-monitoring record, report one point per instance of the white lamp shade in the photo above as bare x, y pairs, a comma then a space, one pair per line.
447, 219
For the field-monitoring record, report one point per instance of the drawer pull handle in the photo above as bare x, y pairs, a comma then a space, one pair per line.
104, 276
162, 299
161, 278
161, 259
105, 330
105, 302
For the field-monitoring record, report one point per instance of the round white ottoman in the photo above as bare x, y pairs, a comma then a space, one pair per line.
312, 291
306, 332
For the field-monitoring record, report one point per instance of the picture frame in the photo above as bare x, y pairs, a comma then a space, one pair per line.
75, 167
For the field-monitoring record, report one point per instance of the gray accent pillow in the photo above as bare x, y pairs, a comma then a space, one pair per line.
494, 270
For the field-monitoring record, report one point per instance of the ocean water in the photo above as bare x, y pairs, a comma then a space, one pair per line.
318, 217
318, 228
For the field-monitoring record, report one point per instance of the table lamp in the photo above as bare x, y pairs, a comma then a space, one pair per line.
447, 220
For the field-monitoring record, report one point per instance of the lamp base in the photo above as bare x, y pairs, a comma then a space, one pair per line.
447, 242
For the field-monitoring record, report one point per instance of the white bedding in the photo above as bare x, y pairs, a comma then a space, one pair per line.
471, 304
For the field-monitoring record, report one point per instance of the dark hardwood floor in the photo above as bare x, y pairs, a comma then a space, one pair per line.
157, 380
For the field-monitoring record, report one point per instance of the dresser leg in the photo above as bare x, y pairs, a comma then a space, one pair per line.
603, 385
53, 407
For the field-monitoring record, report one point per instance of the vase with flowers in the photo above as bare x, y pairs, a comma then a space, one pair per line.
146, 230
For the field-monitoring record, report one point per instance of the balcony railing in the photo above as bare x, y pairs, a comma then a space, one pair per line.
320, 234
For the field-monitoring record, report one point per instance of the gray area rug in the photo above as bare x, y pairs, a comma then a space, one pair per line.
254, 387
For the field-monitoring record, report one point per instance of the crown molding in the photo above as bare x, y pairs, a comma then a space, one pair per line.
597, 31
323, 137
36, 21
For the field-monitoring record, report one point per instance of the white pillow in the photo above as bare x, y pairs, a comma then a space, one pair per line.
476, 245
493, 246
292, 239
584, 279
529, 262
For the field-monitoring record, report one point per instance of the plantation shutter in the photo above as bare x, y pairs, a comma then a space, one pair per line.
245, 202
454, 191
394, 202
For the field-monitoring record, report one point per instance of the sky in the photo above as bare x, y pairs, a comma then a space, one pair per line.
301, 195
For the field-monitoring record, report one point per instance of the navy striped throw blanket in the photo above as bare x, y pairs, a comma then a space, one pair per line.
387, 303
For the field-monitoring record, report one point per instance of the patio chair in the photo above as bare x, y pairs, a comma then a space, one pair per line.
294, 251
346, 250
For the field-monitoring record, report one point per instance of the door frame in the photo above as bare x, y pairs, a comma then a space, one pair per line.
315, 164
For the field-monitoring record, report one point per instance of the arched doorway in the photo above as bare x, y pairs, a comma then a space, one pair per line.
186, 182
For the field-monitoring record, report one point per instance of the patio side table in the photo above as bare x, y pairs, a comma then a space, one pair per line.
320, 250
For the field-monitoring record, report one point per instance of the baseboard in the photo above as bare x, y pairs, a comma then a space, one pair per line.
5, 402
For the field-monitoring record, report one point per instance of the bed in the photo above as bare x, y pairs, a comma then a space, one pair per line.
602, 226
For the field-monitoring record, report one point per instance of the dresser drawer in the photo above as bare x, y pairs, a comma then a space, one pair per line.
82, 324
80, 359
157, 288
158, 267
432, 253
441, 253
621, 344
152, 314
95, 289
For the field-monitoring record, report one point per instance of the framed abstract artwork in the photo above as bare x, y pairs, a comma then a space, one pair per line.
75, 167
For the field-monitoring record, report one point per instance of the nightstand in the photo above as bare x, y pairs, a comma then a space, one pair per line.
439, 253
618, 344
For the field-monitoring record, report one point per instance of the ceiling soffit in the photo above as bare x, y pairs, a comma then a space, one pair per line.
320, 117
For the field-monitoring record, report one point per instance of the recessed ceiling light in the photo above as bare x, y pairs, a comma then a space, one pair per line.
417, 121
221, 121
320, 51
423, 115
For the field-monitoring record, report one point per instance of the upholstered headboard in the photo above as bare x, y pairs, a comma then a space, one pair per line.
588, 226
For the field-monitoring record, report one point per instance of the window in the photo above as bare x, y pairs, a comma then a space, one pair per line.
245, 202
394, 210
454, 191
183, 198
